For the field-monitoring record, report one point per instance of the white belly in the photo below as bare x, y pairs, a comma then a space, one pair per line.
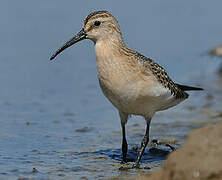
139, 97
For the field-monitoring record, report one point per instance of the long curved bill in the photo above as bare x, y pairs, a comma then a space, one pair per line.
80, 36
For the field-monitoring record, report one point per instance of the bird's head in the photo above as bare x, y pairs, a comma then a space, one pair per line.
98, 25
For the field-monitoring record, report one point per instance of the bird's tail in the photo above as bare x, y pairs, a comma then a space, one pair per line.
189, 88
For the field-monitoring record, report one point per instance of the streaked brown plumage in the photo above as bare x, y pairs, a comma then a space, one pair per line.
133, 83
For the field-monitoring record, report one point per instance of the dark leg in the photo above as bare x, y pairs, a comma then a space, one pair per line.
124, 118
143, 143
124, 144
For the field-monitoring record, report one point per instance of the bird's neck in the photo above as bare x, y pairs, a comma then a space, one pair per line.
110, 47
109, 59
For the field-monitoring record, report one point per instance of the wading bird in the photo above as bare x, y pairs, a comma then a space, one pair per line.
133, 83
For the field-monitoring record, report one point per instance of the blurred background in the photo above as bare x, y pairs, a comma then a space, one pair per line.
53, 115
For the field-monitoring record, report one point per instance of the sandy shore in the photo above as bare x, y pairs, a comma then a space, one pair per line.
200, 158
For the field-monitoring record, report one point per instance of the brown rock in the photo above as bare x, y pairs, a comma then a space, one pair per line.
199, 159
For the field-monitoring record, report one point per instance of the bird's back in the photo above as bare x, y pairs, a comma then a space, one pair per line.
161, 76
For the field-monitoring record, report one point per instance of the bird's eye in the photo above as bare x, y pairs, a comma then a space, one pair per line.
97, 23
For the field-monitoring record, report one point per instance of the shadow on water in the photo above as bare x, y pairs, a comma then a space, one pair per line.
152, 154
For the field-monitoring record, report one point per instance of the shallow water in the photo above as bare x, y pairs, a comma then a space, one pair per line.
53, 115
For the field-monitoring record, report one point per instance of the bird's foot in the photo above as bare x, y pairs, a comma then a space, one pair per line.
128, 166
